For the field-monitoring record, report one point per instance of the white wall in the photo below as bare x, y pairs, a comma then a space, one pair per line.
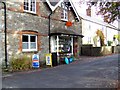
89, 31
91, 24
111, 33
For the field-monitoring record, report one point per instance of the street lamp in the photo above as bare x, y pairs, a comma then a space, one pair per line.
5, 31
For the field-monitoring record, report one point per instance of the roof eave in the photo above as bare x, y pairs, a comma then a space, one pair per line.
53, 7
74, 10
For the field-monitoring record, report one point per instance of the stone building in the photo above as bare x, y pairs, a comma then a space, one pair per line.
30, 29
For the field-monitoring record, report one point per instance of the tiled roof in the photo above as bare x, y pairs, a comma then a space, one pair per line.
59, 31
53, 3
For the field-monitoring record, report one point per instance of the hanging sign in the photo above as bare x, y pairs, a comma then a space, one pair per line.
68, 23
49, 59
35, 61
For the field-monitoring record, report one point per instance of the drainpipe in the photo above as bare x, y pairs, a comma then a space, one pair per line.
5, 31
49, 30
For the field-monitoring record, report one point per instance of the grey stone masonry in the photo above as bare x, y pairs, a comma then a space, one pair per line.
19, 20
1, 33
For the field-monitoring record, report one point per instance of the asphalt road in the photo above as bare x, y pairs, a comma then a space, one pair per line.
93, 72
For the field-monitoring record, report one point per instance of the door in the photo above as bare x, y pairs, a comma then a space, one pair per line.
75, 47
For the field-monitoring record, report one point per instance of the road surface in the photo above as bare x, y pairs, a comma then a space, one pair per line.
93, 72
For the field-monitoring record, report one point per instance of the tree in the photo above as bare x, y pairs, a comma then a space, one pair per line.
110, 10
101, 36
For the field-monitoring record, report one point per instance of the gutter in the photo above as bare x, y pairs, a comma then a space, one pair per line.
49, 29
5, 31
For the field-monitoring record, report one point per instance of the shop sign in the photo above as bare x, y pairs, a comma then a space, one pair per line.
68, 23
49, 59
35, 61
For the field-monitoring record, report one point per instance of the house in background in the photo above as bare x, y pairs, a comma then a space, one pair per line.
28, 28
92, 23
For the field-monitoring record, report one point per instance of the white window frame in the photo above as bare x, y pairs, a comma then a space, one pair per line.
29, 1
65, 12
29, 43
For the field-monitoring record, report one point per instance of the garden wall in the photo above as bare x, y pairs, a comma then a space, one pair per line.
89, 50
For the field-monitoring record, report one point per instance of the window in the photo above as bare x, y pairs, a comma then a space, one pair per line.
62, 44
65, 44
29, 42
30, 6
64, 13
88, 11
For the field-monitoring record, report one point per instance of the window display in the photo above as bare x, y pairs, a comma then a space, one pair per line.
63, 43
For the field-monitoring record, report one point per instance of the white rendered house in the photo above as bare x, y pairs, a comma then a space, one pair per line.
91, 22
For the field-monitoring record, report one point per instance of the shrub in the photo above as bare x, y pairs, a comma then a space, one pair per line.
20, 63
110, 43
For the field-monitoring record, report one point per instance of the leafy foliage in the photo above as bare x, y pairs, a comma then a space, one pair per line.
109, 43
117, 37
110, 10
20, 63
102, 38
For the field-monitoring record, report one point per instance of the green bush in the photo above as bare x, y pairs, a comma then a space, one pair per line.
109, 43
20, 63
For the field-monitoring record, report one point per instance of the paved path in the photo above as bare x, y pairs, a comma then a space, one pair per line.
93, 72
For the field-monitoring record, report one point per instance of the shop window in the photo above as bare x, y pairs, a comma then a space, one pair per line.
30, 6
29, 42
63, 44
64, 12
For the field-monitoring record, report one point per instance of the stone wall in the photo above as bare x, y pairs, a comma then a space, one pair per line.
2, 55
1, 49
116, 49
18, 20
88, 50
